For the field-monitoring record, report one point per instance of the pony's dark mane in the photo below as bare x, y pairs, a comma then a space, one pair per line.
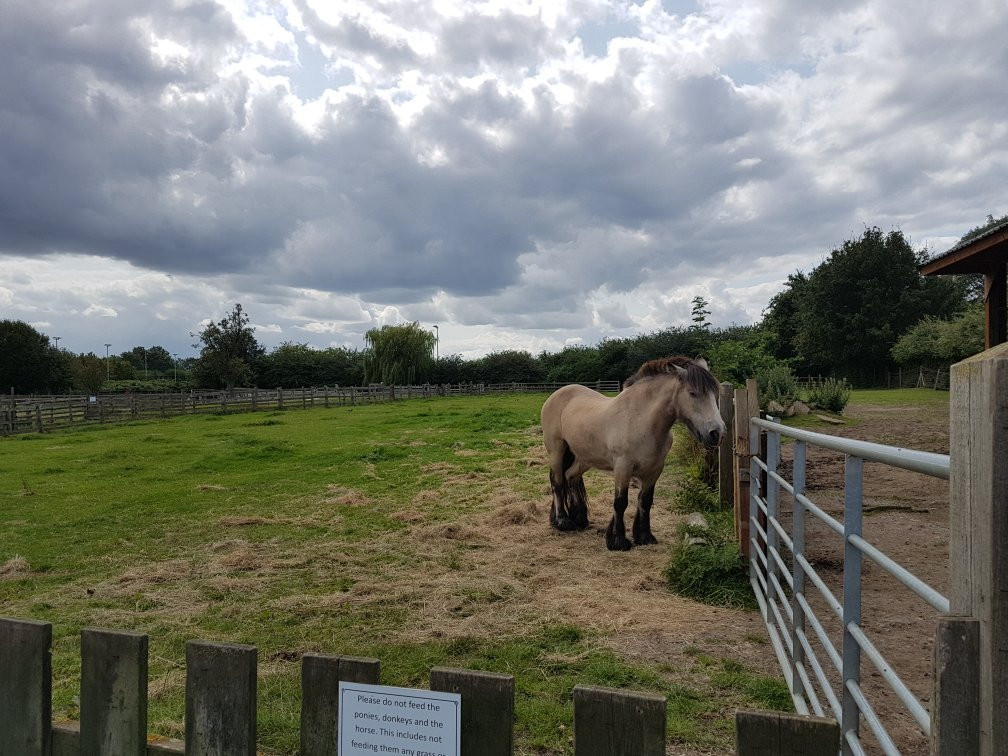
697, 378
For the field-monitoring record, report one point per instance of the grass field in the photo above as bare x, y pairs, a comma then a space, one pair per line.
356, 531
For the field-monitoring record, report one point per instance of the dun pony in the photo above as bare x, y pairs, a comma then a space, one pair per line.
628, 435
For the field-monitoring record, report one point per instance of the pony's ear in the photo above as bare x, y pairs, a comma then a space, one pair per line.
680, 371
701, 362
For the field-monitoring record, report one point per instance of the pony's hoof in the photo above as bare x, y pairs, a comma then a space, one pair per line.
645, 540
618, 543
564, 523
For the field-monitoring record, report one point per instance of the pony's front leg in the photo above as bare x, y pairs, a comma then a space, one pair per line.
615, 537
642, 534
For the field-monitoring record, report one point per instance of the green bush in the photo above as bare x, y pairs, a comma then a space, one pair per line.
777, 384
830, 394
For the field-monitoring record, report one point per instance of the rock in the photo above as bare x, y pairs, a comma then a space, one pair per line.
696, 520
798, 408
828, 419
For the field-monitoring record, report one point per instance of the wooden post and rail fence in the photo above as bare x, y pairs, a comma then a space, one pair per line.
37, 414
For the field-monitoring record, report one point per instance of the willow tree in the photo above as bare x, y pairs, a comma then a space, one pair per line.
399, 354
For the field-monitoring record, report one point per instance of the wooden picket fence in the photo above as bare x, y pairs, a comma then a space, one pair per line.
27, 414
220, 704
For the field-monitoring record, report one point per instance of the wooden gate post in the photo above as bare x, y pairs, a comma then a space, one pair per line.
725, 453
746, 408
978, 525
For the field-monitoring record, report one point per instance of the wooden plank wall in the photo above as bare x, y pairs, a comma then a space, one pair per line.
220, 701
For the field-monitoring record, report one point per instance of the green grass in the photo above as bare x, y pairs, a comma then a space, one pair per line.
915, 397
251, 528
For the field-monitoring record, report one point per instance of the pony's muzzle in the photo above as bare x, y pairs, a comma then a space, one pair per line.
713, 438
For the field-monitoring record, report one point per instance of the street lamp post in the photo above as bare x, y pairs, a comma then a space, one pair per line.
107, 362
56, 339
145, 362
437, 343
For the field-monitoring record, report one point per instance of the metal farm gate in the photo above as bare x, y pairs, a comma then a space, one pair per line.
828, 683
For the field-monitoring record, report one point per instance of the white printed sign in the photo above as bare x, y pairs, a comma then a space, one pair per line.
389, 721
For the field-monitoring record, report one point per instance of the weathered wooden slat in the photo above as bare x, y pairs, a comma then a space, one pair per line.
220, 711
955, 711
320, 679
487, 716
66, 739
612, 722
113, 706
774, 733
25, 687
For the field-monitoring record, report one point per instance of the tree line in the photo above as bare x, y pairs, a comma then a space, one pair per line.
862, 312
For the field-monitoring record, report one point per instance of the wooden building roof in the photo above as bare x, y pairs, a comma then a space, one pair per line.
985, 252
978, 254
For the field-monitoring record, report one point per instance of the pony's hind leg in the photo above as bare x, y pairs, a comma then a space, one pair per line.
615, 537
578, 504
569, 510
560, 516
642, 534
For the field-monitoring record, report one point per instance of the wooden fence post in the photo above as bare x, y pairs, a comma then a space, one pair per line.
725, 452
320, 679
25, 687
220, 698
487, 709
279, 398
612, 722
955, 714
113, 701
746, 407
978, 526
38, 418
774, 733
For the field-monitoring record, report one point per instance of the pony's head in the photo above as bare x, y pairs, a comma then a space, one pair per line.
697, 402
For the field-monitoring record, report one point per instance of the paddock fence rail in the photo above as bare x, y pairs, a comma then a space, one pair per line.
37, 414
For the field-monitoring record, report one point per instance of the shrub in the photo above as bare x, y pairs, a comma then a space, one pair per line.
777, 384
830, 394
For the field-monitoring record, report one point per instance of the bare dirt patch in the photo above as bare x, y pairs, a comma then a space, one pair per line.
906, 517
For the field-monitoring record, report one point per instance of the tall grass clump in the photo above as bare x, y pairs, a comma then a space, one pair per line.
830, 394
777, 384
710, 569
706, 563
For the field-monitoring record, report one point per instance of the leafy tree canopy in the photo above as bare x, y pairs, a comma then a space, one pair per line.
28, 362
398, 354
845, 316
229, 351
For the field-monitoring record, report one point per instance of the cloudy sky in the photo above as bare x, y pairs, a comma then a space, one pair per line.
523, 175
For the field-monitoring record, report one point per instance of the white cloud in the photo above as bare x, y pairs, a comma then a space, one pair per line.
101, 311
